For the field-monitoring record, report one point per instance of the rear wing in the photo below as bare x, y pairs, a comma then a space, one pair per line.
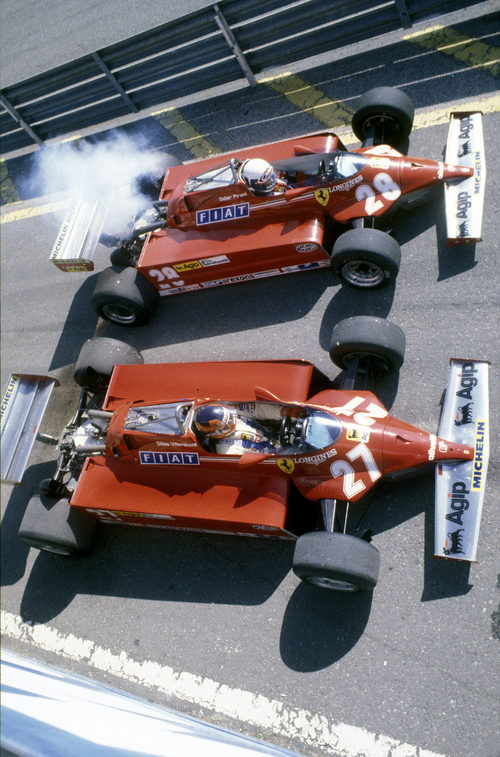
23, 405
460, 487
464, 199
79, 233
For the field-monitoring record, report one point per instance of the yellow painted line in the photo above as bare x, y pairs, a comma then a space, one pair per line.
19, 211
199, 145
442, 115
469, 50
72, 138
310, 99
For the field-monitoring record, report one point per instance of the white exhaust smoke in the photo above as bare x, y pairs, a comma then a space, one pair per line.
118, 165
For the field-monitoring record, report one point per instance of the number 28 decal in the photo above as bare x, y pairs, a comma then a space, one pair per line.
385, 187
166, 277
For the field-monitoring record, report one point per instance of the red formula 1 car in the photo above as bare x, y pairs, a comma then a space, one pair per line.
253, 448
280, 208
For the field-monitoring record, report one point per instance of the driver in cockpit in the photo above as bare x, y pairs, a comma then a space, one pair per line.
228, 431
248, 427
261, 177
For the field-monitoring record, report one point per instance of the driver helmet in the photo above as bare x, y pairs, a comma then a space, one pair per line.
259, 175
215, 421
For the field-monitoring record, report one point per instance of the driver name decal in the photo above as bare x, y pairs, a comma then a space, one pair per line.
168, 458
225, 213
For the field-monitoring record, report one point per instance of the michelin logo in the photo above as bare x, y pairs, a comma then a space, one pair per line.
8, 394
479, 450
225, 213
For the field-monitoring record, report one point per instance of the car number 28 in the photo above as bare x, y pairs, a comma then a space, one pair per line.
385, 187
166, 277
351, 485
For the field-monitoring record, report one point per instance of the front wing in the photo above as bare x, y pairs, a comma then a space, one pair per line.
460, 487
464, 199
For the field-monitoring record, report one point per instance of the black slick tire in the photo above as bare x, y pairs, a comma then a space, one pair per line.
366, 258
387, 109
368, 336
52, 525
97, 359
335, 561
124, 297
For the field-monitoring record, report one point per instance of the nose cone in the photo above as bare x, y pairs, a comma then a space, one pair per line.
456, 172
420, 173
442, 450
406, 447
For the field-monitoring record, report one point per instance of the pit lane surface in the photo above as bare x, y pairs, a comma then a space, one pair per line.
413, 667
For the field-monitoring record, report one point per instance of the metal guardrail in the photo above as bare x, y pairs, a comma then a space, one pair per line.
225, 42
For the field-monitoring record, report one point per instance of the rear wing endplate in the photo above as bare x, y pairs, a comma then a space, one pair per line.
23, 405
79, 233
464, 199
460, 487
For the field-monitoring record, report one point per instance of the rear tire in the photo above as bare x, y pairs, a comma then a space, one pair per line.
364, 335
97, 359
52, 525
387, 111
366, 258
124, 297
335, 561
120, 257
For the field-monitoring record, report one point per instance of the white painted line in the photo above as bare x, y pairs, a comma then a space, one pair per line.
310, 728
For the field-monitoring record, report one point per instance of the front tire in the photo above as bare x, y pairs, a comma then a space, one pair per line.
52, 525
335, 561
97, 359
125, 298
386, 113
366, 336
366, 258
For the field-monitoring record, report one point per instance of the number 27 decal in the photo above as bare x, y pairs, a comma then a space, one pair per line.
385, 187
350, 485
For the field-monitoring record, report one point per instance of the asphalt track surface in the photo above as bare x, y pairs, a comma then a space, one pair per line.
219, 627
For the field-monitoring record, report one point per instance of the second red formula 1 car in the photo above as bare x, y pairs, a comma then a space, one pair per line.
280, 208
264, 448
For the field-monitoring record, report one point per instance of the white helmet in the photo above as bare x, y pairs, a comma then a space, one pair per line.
259, 175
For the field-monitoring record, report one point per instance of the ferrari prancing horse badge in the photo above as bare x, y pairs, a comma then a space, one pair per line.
322, 196
285, 464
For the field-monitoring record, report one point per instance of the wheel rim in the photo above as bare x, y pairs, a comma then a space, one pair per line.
119, 313
377, 362
362, 273
390, 124
335, 584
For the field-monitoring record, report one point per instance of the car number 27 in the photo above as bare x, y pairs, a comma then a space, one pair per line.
351, 485
385, 187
